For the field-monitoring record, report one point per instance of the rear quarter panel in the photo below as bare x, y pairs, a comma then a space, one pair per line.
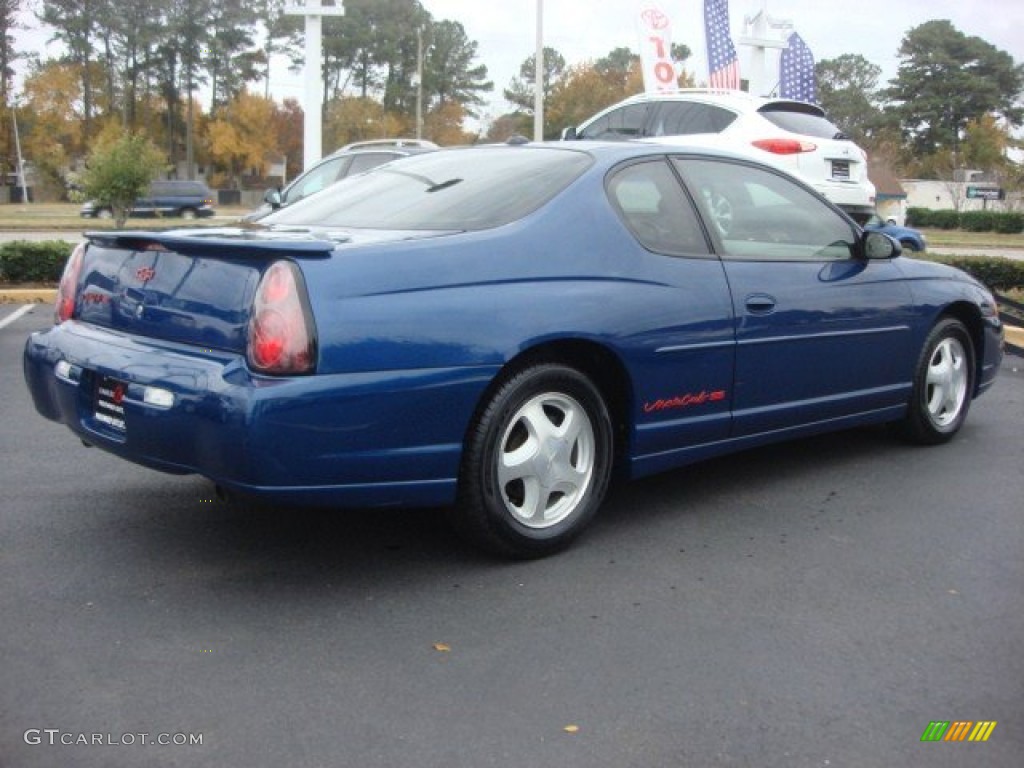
482, 299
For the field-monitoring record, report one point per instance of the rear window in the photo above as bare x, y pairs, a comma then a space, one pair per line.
802, 119
455, 189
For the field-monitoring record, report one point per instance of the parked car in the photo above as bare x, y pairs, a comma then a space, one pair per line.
496, 329
187, 199
792, 135
911, 239
350, 160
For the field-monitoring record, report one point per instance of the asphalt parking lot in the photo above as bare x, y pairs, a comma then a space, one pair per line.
818, 603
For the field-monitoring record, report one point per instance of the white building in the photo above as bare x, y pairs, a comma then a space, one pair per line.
972, 191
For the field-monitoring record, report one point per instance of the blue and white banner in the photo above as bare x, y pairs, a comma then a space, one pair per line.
723, 64
796, 72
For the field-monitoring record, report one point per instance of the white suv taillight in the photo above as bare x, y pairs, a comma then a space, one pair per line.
68, 288
281, 337
785, 146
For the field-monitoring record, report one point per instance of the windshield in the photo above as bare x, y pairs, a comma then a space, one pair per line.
455, 189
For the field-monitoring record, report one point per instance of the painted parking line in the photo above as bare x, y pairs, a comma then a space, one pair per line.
16, 315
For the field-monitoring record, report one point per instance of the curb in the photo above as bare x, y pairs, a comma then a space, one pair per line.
1014, 336
28, 295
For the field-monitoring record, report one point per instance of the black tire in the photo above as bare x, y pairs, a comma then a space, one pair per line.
943, 385
553, 426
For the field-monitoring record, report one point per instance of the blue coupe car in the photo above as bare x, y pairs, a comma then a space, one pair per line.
500, 330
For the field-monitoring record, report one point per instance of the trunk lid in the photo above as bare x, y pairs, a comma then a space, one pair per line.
197, 286
193, 287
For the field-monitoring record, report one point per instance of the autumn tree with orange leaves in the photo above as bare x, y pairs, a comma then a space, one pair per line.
242, 134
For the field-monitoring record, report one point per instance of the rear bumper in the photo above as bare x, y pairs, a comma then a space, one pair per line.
360, 439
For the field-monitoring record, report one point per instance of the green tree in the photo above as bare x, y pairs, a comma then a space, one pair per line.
281, 35
848, 92
73, 25
372, 48
945, 80
135, 38
188, 35
449, 72
230, 57
520, 91
119, 170
620, 62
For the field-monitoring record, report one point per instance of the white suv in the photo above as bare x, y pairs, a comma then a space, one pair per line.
792, 135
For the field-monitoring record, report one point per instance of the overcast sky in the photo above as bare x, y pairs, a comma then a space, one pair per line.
580, 30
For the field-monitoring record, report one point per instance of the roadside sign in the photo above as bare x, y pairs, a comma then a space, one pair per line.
985, 193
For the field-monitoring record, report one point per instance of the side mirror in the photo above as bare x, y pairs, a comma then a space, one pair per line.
569, 133
272, 197
877, 245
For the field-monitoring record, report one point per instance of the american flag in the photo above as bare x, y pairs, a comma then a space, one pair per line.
723, 66
796, 72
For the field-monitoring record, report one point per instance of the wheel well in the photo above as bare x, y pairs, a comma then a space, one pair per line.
969, 315
597, 362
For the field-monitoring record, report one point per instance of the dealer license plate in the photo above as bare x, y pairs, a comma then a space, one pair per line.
109, 402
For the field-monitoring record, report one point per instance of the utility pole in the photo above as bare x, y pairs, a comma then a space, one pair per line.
419, 82
21, 162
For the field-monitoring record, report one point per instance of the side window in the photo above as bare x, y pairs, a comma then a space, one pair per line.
324, 174
681, 118
656, 210
762, 215
622, 123
364, 161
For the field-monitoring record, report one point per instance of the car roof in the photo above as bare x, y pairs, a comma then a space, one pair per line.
740, 101
401, 146
366, 148
612, 152
390, 143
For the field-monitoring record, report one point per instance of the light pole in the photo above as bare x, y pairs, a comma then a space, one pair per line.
538, 85
21, 161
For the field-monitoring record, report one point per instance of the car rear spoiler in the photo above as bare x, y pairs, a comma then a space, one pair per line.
233, 243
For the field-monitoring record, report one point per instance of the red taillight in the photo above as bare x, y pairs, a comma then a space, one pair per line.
68, 288
281, 338
785, 146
